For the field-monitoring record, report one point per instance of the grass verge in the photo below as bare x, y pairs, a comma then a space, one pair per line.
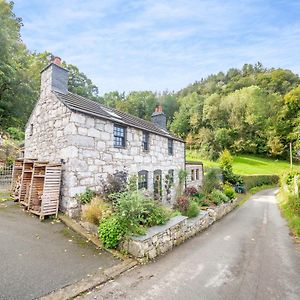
5, 196
293, 219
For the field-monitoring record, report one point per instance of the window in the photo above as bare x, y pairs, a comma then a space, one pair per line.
119, 136
145, 141
31, 130
197, 174
157, 184
143, 179
171, 176
170, 146
192, 175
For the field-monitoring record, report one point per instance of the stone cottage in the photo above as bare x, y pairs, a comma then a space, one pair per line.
92, 141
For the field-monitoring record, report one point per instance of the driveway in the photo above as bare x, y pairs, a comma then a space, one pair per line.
248, 255
38, 257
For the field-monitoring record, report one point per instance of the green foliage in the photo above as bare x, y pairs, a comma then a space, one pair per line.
248, 164
259, 180
226, 161
290, 201
158, 216
137, 210
248, 110
229, 191
218, 197
86, 196
212, 180
111, 231
193, 209
16, 133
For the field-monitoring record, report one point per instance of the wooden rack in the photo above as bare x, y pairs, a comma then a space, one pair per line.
45, 189
16, 178
26, 178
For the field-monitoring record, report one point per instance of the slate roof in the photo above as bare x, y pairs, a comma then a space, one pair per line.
86, 106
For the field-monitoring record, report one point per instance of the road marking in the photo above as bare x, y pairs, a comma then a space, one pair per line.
265, 218
224, 275
227, 238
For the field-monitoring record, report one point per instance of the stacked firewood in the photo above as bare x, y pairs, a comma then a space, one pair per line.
16, 188
36, 201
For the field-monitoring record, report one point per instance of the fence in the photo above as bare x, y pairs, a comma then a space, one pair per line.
5, 177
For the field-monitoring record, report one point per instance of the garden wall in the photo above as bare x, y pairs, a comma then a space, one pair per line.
160, 239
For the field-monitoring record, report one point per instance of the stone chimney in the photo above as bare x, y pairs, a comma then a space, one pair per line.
54, 77
159, 118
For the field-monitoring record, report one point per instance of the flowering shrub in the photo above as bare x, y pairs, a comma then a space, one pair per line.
182, 204
190, 191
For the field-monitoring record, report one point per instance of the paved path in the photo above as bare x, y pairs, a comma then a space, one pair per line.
247, 255
38, 257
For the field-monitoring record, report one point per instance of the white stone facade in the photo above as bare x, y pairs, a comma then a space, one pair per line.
85, 144
195, 174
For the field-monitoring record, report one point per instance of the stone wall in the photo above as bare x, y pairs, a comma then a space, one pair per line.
86, 146
160, 239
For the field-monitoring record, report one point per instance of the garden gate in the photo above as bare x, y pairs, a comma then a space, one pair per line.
5, 177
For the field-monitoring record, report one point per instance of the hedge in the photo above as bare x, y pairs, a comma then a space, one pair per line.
251, 181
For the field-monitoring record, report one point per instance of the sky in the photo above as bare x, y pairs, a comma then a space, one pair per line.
162, 45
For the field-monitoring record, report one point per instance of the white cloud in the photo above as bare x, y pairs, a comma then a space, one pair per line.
136, 45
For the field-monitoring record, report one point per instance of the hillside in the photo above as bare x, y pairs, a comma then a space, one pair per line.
249, 164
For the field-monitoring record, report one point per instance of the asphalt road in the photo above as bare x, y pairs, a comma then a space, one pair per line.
38, 257
247, 255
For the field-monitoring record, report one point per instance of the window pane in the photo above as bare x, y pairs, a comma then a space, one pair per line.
170, 146
143, 179
119, 136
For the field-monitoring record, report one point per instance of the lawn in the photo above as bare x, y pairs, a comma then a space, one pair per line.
248, 164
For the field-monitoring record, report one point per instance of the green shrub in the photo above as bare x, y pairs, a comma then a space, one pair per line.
193, 210
111, 231
137, 210
229, 191
218, 197
226, 161
159, 215
212, 180
16, 133
86, 196
259, 180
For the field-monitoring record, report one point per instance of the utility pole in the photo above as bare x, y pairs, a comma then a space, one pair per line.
291, 156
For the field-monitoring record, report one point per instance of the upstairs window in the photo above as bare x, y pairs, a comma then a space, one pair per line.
170, 146
119, 136
192, 175
197, 174
143, 179
145, 141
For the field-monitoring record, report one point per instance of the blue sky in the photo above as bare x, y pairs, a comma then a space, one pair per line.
158, 45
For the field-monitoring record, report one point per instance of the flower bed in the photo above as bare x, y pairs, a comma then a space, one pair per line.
160, 239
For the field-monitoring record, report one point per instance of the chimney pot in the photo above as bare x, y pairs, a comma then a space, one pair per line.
159, 118
57, 60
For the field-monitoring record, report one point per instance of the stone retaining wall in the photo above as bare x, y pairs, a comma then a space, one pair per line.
160, 239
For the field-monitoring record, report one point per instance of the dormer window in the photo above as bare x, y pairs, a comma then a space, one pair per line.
170, 146
145, 141
119, 136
